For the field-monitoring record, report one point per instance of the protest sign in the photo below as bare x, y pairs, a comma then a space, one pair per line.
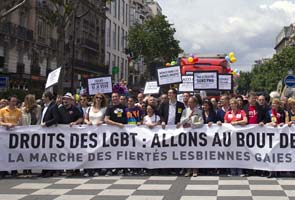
187, 84
53, 78
100, 85
226, 146
206, 80
225, 82
151, 87
169, 75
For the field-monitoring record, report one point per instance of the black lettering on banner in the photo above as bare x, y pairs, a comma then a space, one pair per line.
13, 141
93, 140
226, 139
203, 139
24, 141
60, 140
74, 140
156, 141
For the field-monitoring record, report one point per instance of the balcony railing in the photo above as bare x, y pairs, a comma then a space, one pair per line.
91, 66
89, 44
17, 31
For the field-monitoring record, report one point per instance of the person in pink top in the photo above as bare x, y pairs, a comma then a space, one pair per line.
235, 115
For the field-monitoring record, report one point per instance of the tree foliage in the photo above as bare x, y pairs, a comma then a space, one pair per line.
265, 76
154, 41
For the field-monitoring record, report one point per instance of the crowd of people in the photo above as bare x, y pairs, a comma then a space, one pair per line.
146, 110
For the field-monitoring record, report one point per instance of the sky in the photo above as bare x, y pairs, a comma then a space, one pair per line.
246, 27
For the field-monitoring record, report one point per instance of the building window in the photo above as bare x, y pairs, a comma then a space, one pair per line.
122, 39
119, 38
123, 11
126, 11
41, 29
108, 35
114, 8
114, 36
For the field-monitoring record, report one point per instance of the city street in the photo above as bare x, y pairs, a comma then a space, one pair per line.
148, 188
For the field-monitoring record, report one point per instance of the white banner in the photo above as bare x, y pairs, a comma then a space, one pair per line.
64, 147
206, 80
225, 82
151, 87
187, 84
53, 77
100, 85
169, 75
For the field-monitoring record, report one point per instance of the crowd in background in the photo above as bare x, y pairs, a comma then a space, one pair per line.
150, 111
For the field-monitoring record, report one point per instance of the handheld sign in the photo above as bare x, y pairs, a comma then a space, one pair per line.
151, 87
187, 84
206, 80
53, 78
100, 85
225, 82
169, 75
290, 81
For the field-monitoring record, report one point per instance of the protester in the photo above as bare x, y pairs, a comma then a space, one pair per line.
151, 119
95, 116
276, 113
140, 100
83, 105
96, 113
10, 116
224, 100
240, 101
116, 116
290, 119
164, 98
133, 113
214, 103
71, 115
208, 113
191, 117
31, 111
123, 100
185, 97
235, 116
256, 114
3, 103
50, 116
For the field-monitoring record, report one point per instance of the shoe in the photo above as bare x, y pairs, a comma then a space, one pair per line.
86, 175
188, 173
195, 172
270, 175
69, 174
109, 173
96, 174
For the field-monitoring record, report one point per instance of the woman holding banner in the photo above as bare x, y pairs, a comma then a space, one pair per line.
191, 117
95, 116
235, 116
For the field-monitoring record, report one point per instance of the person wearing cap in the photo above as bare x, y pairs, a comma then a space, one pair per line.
69, 114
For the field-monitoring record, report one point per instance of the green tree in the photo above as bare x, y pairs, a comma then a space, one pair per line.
265, 76
154, 41
243, 82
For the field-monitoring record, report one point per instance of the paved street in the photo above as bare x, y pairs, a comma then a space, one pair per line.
148, 188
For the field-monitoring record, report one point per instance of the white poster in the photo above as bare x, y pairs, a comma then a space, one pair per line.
100, 85
187, 84
225, 82
151, 87
53, 77
169, 75
206, 80
226, 146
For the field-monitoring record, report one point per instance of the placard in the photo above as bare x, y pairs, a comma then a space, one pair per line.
100, 85
169, 75
53, 78
225, 82
206, 80
151, 87
187, 84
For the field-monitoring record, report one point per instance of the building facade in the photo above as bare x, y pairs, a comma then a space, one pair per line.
116, 32
285, 38
28, 46
85, 44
